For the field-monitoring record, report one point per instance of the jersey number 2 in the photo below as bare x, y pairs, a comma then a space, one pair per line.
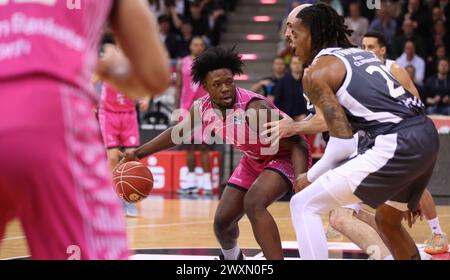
394, 92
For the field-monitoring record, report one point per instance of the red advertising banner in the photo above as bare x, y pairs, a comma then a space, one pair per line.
170, 169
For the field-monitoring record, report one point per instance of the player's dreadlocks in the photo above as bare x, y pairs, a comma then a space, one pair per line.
213, 59
326, 26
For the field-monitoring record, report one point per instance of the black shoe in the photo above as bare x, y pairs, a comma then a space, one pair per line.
241, 257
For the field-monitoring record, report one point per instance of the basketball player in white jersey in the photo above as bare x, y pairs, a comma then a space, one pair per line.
344, 219
376, 42
351, 221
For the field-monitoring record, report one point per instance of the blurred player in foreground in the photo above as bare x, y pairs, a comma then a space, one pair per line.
54, 174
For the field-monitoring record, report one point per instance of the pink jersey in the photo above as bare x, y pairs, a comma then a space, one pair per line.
189, 91
114, 101
58, 39
235, 128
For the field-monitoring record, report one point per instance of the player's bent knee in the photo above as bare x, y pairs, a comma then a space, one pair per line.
336, 219
253, 205
298, 204
385, 224
221, 223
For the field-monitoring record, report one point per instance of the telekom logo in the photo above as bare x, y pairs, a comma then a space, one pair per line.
74, 4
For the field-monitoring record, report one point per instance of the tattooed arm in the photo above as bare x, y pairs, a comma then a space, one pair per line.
321, 82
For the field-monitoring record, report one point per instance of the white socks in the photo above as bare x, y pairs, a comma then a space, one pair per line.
435, 226
206, 182
231, 254
191, 181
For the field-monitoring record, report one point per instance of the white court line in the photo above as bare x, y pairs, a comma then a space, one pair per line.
172, 224
13, 238
175, 224
191, 257
190, 223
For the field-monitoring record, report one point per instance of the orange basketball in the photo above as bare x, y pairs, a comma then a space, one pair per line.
133, 181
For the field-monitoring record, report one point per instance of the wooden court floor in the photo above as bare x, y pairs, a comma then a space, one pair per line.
187, 223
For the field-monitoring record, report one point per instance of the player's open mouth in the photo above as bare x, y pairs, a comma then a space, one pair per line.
227, 99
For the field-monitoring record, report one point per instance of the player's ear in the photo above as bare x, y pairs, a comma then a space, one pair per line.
383, 51
205, 85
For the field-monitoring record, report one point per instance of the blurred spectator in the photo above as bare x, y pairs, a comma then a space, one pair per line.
337, 6
384, 23
185, 38
419, 13
289, 92
358, 24
409, 57
216, 19
412, 75
445, 7
173, 9
437, 89
199, 19
266, 85
408, 35
169, 39
438, 13
439, 36
160, 7
433, 59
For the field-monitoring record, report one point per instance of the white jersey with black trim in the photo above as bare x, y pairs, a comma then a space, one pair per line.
371, 97
389, 63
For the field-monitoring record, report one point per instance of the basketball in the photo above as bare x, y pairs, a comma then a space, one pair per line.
133, 181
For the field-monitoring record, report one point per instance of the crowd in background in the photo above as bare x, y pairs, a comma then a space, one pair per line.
181, 20
417, 32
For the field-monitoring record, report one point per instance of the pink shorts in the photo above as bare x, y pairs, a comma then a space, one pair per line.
119, 130
248, 171
54, 175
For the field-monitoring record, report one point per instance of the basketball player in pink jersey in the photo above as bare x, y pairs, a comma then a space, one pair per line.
119, 126
118, 123
187, 93
53, 173
263, 175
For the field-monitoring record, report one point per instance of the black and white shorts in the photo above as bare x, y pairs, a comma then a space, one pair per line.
392, 168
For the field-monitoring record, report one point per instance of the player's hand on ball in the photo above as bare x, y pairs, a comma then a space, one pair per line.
301, 182
129, 156
126, 157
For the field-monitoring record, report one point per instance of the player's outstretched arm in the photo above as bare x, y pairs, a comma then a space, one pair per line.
321, 81
146, 70
287, 127
168, 138
403, 78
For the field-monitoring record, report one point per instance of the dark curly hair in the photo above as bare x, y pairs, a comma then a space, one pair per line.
213, 59
326, 26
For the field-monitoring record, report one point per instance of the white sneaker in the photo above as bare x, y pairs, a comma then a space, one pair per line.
189, 186
207, 184
425, 256
130, 210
